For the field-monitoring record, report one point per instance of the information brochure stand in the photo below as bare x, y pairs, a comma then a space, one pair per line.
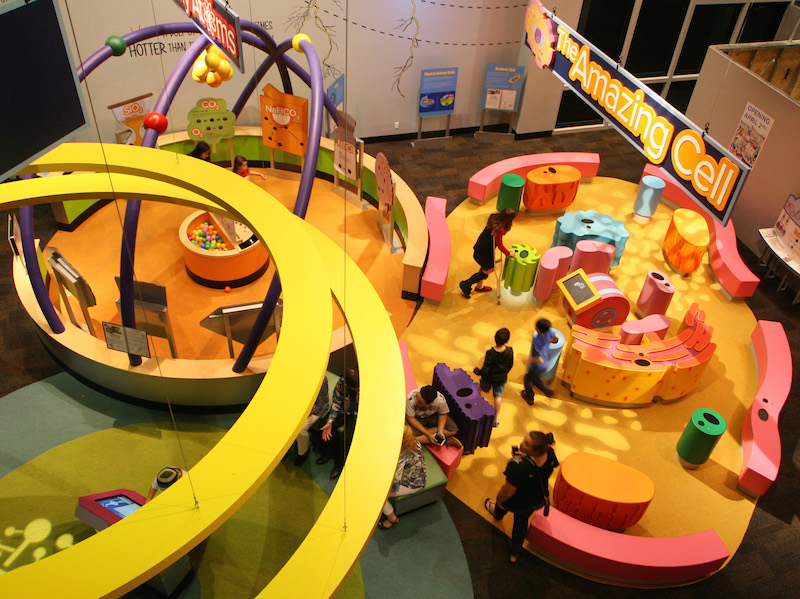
437, 97
501, 91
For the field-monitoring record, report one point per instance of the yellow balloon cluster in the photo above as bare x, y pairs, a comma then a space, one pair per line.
212, 67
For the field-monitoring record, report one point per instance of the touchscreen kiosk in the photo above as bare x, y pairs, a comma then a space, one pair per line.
579, 293
101, 510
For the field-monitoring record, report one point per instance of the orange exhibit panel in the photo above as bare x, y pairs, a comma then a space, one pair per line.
602, 492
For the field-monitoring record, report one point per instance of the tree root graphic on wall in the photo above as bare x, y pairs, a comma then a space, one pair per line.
403, 26
309, 12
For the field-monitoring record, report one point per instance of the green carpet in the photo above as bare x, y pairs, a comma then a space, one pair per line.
62, 439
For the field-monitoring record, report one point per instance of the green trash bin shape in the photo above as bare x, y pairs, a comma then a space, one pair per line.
520, 271
700, 437
511, 188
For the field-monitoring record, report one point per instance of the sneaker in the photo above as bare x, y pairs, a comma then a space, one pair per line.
300, 459
483, 289
528, 397
466, 290
453, 442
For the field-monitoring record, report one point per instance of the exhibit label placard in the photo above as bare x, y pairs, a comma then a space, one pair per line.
284, 121
126, 339
708, 172
502, 87
219, 24
437, 91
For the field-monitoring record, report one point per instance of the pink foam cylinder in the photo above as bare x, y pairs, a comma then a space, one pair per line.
656, 294
553, 265
634, 330
592, 256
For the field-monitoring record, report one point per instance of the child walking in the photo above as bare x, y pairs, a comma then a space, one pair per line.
496, 365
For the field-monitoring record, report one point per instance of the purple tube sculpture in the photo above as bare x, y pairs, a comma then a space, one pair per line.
301, 204
35, 275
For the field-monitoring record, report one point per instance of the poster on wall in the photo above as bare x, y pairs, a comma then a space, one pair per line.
706, 170
437, 91
336, 94
130, 114
751, 134
284, 121
502, 87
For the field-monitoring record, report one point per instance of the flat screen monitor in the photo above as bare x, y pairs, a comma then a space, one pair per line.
42, 105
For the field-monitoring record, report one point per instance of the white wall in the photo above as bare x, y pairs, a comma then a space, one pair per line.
542, 94
719, 98
369, 40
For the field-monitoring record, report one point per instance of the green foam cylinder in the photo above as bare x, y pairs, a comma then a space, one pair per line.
511, 188
700, 436
520, 271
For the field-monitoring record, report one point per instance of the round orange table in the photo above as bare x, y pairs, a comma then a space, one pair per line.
551, 187
602, 492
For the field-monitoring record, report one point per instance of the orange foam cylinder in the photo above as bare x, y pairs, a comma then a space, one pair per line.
602, 492
686, 241
551, 187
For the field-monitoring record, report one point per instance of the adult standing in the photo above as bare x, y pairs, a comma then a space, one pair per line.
497, 225
539, 360
525, 489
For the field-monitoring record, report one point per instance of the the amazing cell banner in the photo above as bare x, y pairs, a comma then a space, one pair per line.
708, 172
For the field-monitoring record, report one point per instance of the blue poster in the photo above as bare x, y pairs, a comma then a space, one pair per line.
502, 87
437, 91
336, 92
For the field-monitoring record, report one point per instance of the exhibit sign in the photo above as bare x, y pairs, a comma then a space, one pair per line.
219, 24
787, 227
708, 172
211, 121
437, 91
130, 114
284, 121
345, 158
336, 94
502, 87
754, 126
126, 339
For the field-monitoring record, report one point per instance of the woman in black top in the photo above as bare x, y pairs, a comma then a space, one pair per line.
202, 151
526, 486
497, 225
496, 365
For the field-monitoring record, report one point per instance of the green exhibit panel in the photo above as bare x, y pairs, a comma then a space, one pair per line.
520, 271
700, 436
511, 188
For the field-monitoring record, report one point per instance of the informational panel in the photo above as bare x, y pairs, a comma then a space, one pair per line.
130, 114
126, 339
502, 87
336, 93
751, 134
284, 121
211, 121
787, 227
219, 24
42, 104
345, 159
708, 172
437, 91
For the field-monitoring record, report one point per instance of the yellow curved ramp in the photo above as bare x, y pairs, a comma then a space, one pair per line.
125, 555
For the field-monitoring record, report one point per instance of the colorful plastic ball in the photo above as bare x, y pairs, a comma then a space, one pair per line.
224, 69
213, 79
117, 45
155, 121
212, 61
212, 49
227, 289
